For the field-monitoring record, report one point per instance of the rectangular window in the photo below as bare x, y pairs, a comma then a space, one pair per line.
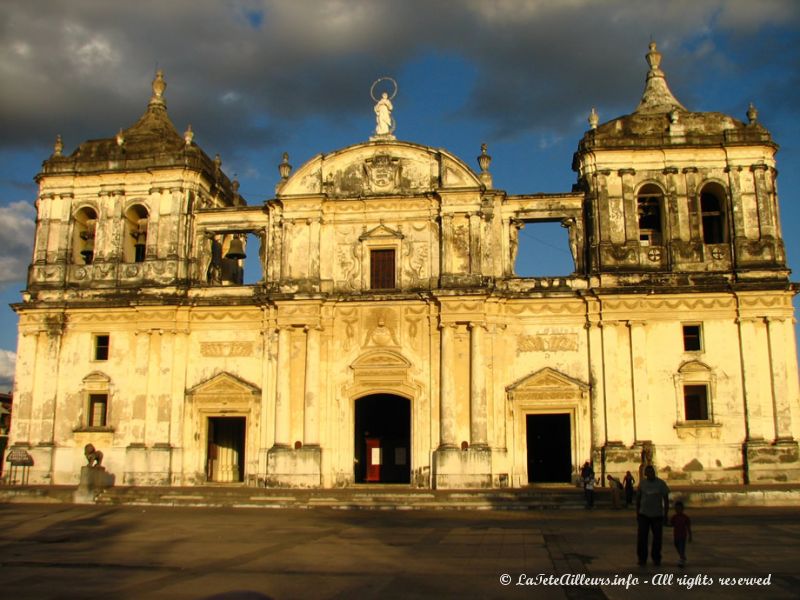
98, 410
381, 266
692, 340
101, 347
695, 402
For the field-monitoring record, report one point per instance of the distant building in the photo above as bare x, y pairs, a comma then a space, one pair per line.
389, 339
5, 425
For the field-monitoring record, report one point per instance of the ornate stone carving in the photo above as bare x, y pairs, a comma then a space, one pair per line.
383, 172
548, 342
226, 349
381, 325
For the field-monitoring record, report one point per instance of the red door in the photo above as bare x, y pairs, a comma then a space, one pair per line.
373, 459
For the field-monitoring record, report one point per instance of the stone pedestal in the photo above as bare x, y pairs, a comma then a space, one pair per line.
301, 467
93, 480
777, 462
617, 459
454, 468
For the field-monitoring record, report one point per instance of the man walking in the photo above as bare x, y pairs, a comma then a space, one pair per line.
652, 512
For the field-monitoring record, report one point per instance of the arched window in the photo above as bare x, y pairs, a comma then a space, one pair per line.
83, 236
649, 201
134, 242
712, 215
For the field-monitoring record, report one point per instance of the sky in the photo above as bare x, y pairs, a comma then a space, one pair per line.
256, 78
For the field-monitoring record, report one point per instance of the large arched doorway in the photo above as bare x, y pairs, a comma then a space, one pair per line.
382, 439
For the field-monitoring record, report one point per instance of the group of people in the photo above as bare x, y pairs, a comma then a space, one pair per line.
652, 510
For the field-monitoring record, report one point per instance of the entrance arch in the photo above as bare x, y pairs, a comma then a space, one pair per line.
382, 441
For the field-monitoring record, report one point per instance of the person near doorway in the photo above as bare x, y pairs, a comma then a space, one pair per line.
587, 477
627, 483
652, 513
616, 489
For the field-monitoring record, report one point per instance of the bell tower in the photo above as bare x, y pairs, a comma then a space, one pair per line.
671, 191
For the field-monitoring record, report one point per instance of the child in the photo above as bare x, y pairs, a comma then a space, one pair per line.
682, 530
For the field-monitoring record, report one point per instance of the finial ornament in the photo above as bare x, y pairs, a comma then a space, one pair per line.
654, 60
188, 135
385, 123
484, 160
58, 147
657, 97
593, 119
752, 113
284, 168
159, 85
217, 166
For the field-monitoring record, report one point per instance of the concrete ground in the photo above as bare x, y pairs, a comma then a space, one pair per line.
53, 551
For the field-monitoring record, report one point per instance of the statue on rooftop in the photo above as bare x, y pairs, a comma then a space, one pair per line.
385, 124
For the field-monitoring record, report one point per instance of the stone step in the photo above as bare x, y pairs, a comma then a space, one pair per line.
345, 498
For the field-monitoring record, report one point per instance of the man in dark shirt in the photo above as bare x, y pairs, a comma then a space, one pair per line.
652, 512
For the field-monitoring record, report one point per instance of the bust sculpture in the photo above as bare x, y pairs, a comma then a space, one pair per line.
94, 457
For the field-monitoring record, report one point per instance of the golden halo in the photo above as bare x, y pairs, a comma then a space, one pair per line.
377, 81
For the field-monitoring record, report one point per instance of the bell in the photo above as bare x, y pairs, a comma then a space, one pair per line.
88, 255
87, 252
236, 250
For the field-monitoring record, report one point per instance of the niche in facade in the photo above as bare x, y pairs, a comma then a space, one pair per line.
134, 240
83, 236
236, 259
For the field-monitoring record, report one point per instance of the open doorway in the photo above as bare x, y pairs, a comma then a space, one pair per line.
382, 439
549, 448
225, 456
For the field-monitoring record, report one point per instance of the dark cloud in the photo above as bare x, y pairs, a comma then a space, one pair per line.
17, 224
244, 72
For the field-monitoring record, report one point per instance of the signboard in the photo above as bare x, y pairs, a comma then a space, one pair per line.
19, 458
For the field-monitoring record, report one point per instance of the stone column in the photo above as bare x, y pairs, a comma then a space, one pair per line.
641, 404
754, 387
781, 388
311, 407
283, 396
629, 204
478, 415
446, 252
766, 227
474, 243
594, 343
447, 400
692, 193
152, 383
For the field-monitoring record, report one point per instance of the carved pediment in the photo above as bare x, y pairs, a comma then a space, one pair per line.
694, 366
390, 360
546, 383
96, 377
381, 231
224, 384
385, 168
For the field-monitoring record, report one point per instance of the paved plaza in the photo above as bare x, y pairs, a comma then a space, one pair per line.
52, 551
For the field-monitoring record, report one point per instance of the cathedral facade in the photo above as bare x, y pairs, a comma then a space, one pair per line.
389, 339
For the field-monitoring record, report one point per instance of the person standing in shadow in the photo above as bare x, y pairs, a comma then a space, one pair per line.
652, 513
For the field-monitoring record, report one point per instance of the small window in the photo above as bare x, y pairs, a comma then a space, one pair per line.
98, 410
692, 340
382, 269
649, 211
712, 219
695, 402
101, 343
